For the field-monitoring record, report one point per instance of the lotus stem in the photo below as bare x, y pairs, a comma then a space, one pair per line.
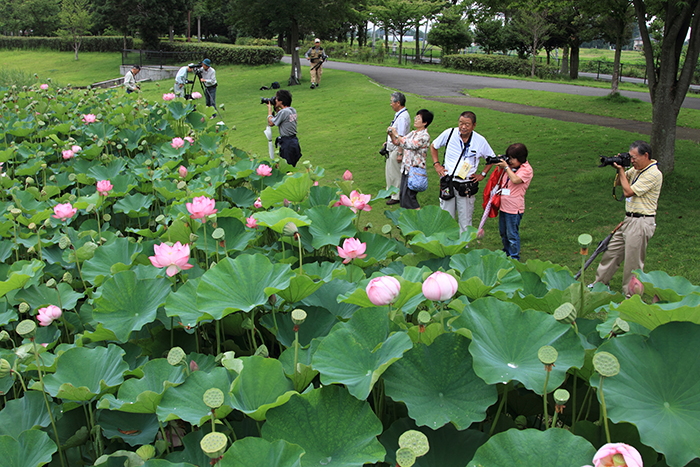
77, 264
38, 244
573, 407
301, 268
165, 438
46, 400
583, 285
14, 225
544, 399
578, 417
296, 354
218, 337
206, 252
213, 420
554, 419
500, 408
605, 412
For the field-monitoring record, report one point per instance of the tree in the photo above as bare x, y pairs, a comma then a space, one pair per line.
617, 27
489, 35
532, 26
450, 33
397, 16
75, 19
40, 16
670, 72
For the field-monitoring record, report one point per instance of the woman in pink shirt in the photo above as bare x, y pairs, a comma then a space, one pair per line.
513, 188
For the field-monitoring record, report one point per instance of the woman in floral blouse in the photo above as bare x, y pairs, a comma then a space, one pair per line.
415, 146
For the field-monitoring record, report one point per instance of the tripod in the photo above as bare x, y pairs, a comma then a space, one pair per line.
197, 74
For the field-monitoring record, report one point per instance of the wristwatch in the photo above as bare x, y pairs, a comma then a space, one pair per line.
483, 174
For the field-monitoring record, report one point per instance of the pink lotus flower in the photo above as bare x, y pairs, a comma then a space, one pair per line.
194, 366
63, 211
635, 287
257, 204
617, 455
439, 286
196, 95
182, 171
251, 222
356, 201
169, 96
352, 248
48, 315
88, 118
44, 86
177, 143
104, 187
315, 183
201, 207
175, 257
68, 154
264, 170
189, 139
347, 176
383, 290
75, 148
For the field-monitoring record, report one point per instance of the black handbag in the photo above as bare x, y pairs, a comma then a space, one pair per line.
447, 184
447, 189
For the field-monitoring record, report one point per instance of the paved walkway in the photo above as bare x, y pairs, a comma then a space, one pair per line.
448, 87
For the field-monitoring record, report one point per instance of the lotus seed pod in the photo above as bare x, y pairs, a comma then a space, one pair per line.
290, 229
31, 250
405, 457
415, 441
218, 233
175, 356
298, 316
386, 228
146, 452
213, 398
29, 181
4, 336
521, 422
5, 368
43, 166
72, 177
620, 327
262, 351
52, 178
547, 354
213, 445
72, 198
15, 212
424, 317
606, 364
565, 313
306, 163
148, 162
90, 208
32, 226
64, 242
107, 217
181, 185
561, 396
47, 223
51, 283
26, 328
24, 307
67, 277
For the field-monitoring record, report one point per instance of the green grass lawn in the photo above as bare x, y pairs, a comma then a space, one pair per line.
342, 125
61, 67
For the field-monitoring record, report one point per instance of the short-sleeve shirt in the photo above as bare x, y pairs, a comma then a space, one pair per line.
646, 185
286, 120
478, 148
415, 145
514, 203
402, 123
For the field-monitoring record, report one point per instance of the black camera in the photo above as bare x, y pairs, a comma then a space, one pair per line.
268, 100
624, 160
384, 151
497, 159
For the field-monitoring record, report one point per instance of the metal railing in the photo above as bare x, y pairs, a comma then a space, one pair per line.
157, 58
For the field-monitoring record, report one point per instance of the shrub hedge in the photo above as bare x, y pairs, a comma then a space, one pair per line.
88, 44
498, 64
256, 41
225, 54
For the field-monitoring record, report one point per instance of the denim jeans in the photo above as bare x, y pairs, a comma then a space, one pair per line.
509, 226
210, 97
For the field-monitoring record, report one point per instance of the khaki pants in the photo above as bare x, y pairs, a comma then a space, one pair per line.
392, 171
629, 244
461, 208
316, 74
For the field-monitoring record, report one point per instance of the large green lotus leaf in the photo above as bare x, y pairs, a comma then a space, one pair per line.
320, 196
134, 428
329, 424
33, 448
329, 225
555, 297
236, 236
293, 188
142, 395
183, 304
118, 251
40, 295
319, 323
430, 220
192, 452
534, 447
489, 266
240, 284
658, 389
356, 353
558, 279
438, 385
83, 373
164, 463
448, 446
506, 341
134, 205
443, 245
24, 413
327, 297
667, 288
185, 401
279, 217
127, 304
178, 109
378, 249
107, 171
410, 295
257, 452
299, 288
260, 386
652, 316
241, 196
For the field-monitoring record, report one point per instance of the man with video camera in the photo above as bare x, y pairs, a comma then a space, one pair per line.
207, 76
181, 81
286, 120
641, 185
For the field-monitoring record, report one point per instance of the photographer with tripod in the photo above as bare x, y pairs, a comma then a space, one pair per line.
207, 76
286, 120
181, 81
316, 56
641, 185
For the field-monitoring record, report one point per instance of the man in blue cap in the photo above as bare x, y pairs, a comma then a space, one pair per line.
208, 79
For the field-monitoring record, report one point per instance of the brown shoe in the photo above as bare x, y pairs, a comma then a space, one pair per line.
392, 201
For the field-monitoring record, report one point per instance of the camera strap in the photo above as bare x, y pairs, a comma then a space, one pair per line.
464, 149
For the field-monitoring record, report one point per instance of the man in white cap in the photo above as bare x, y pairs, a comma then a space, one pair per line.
208, 79
316, 56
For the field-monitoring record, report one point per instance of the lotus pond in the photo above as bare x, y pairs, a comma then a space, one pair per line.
169, 300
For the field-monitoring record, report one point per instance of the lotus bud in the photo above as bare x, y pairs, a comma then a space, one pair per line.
565, 313
193, 238
32, 226
175, 356
26, 328
620, 327
194, 366
67, 277
213, 398
655, 299
47, 223
24, 307
4, 336
214, 445
29, 181
347, 176
298, 316
64, 242
635, 287
51, 283
146, 452
272, 299
286, 203
107, 217
5, 368
290, 229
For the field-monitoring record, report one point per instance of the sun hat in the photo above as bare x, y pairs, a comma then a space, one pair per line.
206, 62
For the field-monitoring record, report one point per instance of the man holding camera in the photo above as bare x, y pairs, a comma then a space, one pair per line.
641, 185
463, 149
316, 56
393, 153
286, 120
208, 78
181, 80
130, 79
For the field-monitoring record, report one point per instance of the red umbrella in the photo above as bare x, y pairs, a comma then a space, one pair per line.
492, 198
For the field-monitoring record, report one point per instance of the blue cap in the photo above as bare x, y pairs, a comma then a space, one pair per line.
206, 62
